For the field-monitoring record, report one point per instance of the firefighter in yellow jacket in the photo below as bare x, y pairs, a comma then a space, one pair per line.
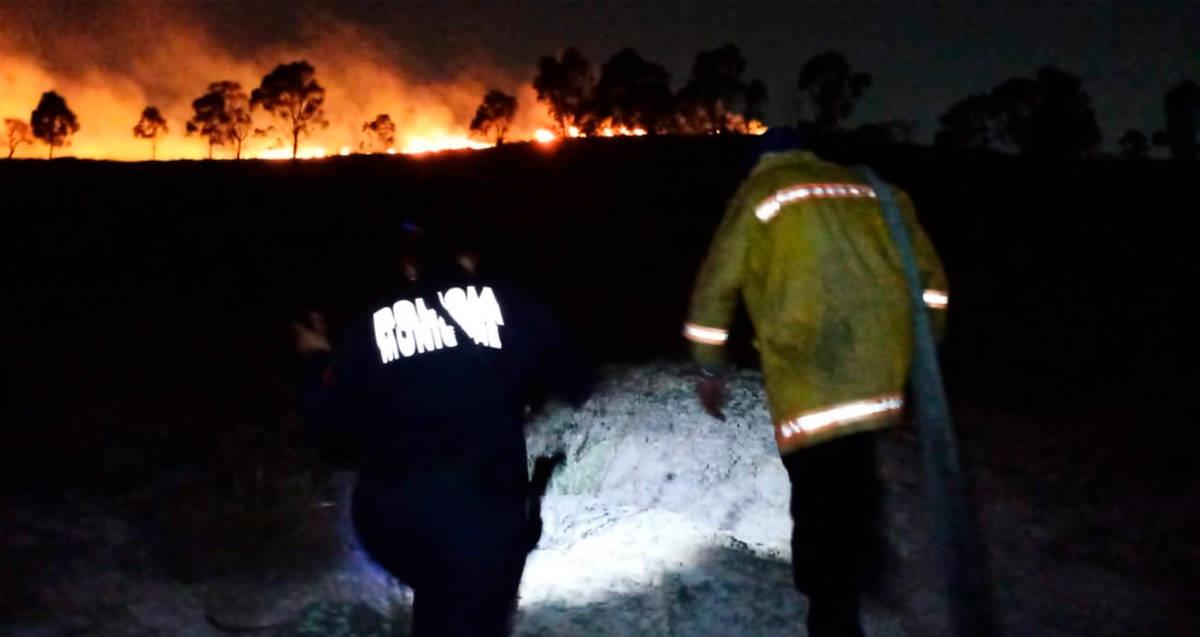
804, 244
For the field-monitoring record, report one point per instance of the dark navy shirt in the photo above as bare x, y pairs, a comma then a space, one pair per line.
437, 377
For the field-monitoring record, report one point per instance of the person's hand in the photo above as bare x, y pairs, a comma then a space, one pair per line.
314, 336
711, 392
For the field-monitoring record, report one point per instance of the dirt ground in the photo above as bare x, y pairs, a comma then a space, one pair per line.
1083, 539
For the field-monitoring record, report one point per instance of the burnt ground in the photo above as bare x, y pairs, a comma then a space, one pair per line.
149, 440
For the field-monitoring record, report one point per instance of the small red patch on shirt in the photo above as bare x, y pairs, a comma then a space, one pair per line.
327, 376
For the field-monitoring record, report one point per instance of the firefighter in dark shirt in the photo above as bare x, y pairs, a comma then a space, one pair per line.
433, 386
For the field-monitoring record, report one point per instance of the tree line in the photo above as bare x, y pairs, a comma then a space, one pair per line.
1048, 114
222, 115
633, 95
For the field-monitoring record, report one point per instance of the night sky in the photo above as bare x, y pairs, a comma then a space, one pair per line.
923, 56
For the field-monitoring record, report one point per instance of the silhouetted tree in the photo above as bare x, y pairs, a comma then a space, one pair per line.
53, 122
1012, 109
1181, 106
1134, 144
151, 125
18, 133
381, 132
830, 88
633, 93
291, 93
969, 123
566, 85
716, 99
495, 115
1049, 115
222, 116
1063, 121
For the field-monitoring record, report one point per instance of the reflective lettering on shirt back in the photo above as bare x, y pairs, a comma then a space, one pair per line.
410, 327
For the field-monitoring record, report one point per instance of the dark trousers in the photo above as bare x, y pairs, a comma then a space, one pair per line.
462, 551
838, 547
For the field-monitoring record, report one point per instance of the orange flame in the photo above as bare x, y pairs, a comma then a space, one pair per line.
356, 66
419, 145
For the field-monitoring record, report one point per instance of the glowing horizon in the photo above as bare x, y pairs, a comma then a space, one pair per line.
355, 65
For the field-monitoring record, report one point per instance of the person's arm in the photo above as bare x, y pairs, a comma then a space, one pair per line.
933, 275
333, 392
715, 299
718, 285
559, 367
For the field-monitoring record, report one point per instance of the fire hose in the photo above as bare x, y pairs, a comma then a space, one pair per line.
946, 488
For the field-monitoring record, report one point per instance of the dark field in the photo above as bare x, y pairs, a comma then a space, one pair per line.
1068, 277
147, 310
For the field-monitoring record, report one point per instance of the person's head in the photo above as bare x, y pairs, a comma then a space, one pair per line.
780, 139
429, 252
777, 139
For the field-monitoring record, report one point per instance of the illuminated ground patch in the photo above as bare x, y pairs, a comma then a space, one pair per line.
651, 572
663, 517
663, 521
666, 522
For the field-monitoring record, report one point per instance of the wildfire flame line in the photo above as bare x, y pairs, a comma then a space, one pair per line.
357, 67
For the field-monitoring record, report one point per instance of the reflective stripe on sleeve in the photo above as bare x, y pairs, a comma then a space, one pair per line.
771, 206
811, 422
705, 335
936, 299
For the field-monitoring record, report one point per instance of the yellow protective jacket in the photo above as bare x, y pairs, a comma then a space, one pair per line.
805, 244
